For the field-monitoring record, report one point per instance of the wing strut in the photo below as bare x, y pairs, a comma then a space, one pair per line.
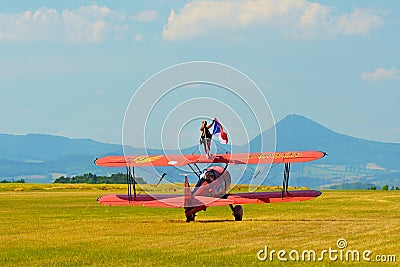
197, 168
131, 181
194, 171
162, 177
286, 178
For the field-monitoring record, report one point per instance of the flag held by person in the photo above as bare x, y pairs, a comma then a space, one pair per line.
219, 132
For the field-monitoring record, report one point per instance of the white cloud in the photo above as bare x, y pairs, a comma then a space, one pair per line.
87, 24
91, 24
295, 17
28, 25
359, 22
381, 74
138, 37
145, 15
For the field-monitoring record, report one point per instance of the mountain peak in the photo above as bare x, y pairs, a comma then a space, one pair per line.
295, 120
295, 116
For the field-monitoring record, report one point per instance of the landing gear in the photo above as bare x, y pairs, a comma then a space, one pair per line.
191, 212
237, 212
190, 218
285, 185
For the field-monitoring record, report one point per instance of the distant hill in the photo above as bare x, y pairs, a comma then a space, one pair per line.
42, 147
296, 132
349, 159
42, 158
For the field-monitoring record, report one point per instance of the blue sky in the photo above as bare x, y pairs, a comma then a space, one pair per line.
71, 67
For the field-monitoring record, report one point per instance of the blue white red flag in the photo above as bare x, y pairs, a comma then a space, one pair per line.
219, 131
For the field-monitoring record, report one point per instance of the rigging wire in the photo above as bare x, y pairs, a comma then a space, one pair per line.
165, 173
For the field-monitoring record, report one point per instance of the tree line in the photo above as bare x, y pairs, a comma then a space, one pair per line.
90, 178
385, 187
21, 181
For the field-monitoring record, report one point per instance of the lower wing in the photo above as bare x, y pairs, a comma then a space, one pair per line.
179, 201
162, 201
273, 197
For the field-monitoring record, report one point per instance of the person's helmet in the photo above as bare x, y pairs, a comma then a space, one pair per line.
210, 174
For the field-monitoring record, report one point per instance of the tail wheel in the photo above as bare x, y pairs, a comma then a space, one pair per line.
238, 212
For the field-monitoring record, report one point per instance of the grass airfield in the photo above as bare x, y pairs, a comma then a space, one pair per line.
63, 225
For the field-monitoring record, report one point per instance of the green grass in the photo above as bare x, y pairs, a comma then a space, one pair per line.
66, 227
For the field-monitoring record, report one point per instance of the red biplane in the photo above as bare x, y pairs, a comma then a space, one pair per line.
211, 188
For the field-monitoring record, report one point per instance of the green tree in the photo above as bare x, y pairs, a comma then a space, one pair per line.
385, 187
89, 178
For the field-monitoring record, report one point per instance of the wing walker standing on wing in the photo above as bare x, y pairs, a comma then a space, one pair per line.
206, 136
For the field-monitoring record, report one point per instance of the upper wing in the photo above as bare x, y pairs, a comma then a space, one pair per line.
237, 158
273, 197
274, 157
157, 160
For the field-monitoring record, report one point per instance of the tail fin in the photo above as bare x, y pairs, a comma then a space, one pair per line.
187, 186
188, 193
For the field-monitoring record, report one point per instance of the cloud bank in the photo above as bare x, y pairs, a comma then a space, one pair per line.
87, 24
196, 19
295, 17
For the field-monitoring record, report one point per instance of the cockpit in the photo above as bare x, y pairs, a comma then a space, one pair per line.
208, 176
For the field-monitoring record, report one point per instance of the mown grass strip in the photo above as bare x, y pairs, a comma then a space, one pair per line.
69, 228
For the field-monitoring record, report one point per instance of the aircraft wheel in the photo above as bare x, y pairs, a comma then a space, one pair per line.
238, 212
190, 218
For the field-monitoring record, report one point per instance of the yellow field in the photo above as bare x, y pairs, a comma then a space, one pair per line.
66, 227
